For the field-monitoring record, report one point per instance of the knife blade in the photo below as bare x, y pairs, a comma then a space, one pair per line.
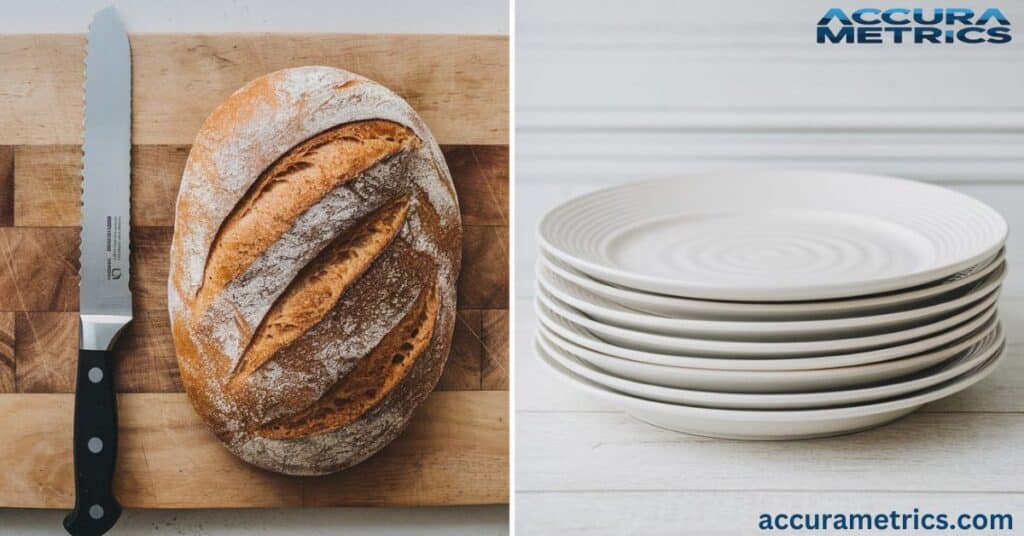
105, 300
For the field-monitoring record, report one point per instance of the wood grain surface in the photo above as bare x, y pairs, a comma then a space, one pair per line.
495, 329
49, 183
458, 83
464, 371
38, 269
455, 451
484, 279
6, 185
55, 176
45, 351
7, 359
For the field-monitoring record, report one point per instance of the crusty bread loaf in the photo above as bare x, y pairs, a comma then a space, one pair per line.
312, 284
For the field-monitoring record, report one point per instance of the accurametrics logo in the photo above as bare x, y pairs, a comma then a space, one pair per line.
914, 25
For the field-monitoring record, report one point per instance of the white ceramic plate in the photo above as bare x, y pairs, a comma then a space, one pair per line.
773, 235
582, 337
638, 340
768, 381
673, 306
963, 362
772, 424
608, 312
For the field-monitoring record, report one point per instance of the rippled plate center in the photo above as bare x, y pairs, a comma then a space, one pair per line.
769, 249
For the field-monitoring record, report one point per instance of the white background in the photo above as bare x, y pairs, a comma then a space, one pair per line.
343, 16
613, 91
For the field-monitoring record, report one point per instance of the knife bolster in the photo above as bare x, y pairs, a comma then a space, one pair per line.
99, 332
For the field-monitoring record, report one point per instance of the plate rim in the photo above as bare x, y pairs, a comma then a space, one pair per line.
845, 305
944, 390
965, 364
675, 287
912, 348
933, 357
984, 307
677, 326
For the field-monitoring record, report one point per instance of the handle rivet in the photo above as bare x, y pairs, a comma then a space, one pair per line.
96, 511
95, 445
95, 375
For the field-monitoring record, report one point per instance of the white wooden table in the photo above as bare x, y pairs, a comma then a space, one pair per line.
583, 467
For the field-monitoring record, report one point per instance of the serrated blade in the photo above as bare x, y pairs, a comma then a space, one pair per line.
105, 298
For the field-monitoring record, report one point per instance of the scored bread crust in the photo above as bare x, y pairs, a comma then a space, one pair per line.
312, 282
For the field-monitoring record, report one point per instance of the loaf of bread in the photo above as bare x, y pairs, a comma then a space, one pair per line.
312, 283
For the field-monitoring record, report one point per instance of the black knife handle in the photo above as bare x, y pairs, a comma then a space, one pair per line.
95, 447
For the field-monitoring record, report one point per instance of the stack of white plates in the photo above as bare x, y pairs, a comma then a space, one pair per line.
771, 305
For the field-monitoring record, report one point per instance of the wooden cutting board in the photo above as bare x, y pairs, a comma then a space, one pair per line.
456, 449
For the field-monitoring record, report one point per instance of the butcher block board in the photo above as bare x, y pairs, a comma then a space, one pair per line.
455, 451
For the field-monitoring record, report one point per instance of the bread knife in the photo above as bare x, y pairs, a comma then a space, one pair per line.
105, 300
